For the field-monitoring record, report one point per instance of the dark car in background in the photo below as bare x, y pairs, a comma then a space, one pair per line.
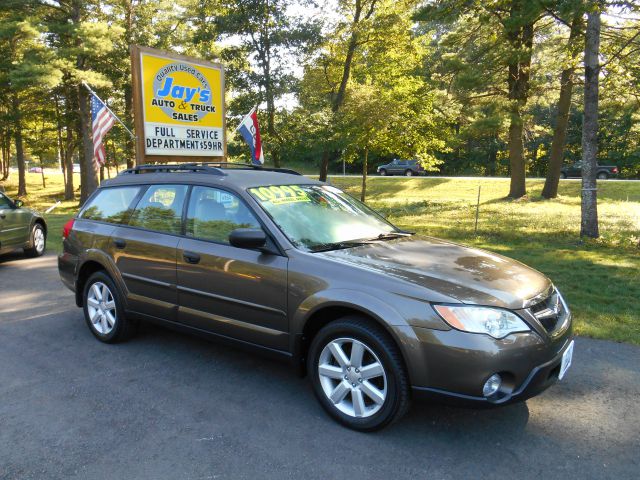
603, 172
21, 227
271, 260
407, 168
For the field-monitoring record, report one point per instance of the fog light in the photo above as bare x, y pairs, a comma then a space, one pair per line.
492, 385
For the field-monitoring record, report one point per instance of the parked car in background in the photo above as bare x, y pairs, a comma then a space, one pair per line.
76, 168
296, 268
408, 168
602, 172
21, 227
35, 170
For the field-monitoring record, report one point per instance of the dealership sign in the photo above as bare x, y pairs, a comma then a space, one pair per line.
179, 106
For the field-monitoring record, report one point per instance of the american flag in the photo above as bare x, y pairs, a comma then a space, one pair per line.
102, 121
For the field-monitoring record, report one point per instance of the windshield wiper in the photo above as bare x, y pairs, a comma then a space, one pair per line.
325, 247
392, 235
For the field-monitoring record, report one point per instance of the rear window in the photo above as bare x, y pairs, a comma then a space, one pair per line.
160, 209
111, 205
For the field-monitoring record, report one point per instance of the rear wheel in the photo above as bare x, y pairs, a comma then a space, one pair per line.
103, 310
408, 173
37, 241
602, 176
358, 375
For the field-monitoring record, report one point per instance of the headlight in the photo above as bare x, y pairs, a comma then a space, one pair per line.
493, 321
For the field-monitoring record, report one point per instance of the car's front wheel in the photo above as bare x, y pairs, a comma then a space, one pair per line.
408, 173
358, 374
382, 172
103, 309
37, 241
563, 175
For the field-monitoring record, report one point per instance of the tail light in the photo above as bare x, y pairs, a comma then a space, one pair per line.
614, 170
66, 230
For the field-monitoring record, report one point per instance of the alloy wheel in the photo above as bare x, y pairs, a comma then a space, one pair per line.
101, 307
352, 377
38, 239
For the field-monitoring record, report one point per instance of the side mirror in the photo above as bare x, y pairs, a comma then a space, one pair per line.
249, 238
18, 203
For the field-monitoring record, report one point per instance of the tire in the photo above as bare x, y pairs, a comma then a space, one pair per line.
382, 172
408, 173
602, 176
563, 175
37, 242
113, 326
391, 387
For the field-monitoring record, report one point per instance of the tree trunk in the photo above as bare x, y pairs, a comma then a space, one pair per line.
365, 167
44, 183
550, 189
589, 223
338, 99
521, 41
69, 147
17, 132
88, 173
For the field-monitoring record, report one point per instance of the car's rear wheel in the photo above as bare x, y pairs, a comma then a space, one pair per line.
602, 176
358, 374
382, 172
103, 310
37, 241
408, 173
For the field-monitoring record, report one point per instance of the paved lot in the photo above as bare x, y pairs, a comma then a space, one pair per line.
165, 405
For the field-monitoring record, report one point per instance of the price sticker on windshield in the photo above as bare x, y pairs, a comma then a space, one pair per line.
280, 194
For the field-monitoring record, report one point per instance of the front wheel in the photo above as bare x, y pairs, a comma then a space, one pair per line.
103, 310
408, 173
358, 374
563, 175
382, 172
37, 242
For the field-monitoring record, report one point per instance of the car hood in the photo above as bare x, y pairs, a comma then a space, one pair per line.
468, 275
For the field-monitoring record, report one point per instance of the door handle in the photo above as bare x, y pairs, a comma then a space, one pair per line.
119, 242
190, 257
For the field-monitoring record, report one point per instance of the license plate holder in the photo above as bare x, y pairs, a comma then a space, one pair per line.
567, 357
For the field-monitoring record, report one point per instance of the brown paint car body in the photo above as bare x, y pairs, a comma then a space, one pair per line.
276, 300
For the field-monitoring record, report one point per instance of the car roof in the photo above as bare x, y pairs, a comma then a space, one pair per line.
240, 178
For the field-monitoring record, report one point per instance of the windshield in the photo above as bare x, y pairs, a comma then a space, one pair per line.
321, 217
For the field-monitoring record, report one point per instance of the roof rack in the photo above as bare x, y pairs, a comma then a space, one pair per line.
214, 168
250, 166
173, 167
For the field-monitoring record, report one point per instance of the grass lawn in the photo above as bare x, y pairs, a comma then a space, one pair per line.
600, 278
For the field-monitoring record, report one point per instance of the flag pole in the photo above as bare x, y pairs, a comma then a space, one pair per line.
243, 118
110, 111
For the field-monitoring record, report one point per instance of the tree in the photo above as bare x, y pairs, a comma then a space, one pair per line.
25, 66
550, 189
589, 221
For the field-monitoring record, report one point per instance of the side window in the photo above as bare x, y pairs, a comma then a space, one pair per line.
160, 209
4, 202
111, 205
213, 214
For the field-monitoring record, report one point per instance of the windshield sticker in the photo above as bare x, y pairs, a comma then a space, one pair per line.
280, 194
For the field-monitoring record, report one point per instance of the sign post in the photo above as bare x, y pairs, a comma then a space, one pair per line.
178, 106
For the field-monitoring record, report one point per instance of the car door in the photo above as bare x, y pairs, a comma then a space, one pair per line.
394, 166
229, 291
575, 170
144, 250
14, 224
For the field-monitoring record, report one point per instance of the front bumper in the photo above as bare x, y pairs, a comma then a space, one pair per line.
453, 365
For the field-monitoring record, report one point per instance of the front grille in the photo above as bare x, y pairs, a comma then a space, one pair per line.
551, 313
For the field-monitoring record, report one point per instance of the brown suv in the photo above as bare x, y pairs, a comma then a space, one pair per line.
296, 268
